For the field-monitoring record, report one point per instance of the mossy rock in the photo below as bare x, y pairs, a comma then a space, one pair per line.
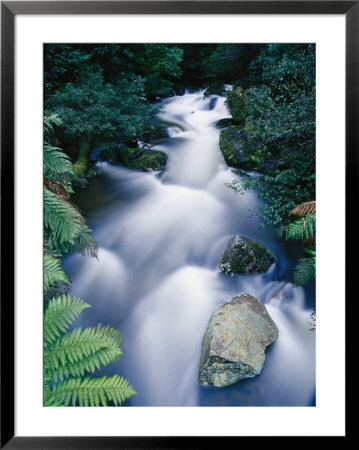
142, 159
80, 166
233, 147
245, 256
239, 105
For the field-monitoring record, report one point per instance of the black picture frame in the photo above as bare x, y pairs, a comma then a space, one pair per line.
9, 9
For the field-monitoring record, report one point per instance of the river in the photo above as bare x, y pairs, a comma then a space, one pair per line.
161, 236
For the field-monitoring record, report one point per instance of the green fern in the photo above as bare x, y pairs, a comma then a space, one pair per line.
56, 162
90, 391
60, 314
303, 228
53, 272
49, 122
79, 345
305, 270
69, 355
65, 228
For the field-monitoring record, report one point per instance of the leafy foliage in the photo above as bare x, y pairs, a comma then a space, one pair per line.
277, 115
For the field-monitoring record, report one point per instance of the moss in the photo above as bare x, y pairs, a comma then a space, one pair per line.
142, 159
232, 145
239, 105
80, 166
244, 256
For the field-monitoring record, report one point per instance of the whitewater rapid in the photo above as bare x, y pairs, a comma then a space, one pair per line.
161, 236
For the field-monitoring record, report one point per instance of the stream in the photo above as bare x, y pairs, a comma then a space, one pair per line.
161, 236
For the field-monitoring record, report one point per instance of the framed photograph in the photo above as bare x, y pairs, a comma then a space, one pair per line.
161, 167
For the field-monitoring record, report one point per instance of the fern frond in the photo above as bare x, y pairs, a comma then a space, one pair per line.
65, 228
60, 314
303, 228
56, 161
50, 121
57, 290
60, 219
100, 342
89, 364
53, 272
304, 271
303, 209
91, 391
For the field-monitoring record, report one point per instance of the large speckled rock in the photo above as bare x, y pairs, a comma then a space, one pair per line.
232, 147
245, 256
235, 341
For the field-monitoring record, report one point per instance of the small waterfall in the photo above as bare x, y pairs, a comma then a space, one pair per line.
161, 236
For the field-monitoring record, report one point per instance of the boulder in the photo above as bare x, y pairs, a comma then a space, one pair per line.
245, 256
234, 148
239, 105
234, 345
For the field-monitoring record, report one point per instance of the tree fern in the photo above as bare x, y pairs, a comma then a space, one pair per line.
90, 391
53, 272
303, 209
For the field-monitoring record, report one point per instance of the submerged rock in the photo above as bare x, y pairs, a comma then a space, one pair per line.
244, 256
223, 123
235, 341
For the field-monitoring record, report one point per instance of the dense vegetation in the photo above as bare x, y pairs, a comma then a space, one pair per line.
100, 96
274, 135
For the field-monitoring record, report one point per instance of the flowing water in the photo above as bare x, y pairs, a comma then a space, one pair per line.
161, 236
